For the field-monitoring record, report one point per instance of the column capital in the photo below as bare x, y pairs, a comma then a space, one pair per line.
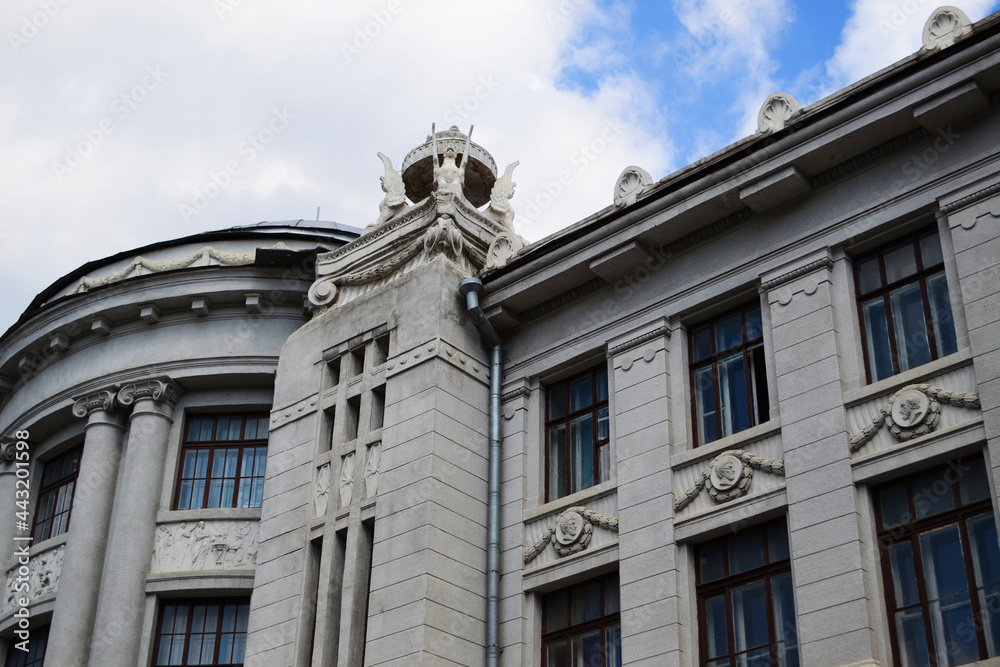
101, 399
159, 390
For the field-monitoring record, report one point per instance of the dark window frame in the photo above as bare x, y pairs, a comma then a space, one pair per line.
725, 584
213, 445
910, 531
885, 290
593, 408
602, 623
18, 658
755, 417
220, 603
45, 532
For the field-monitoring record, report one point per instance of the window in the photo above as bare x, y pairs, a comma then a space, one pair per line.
35, 655
202, 633
55, 497
577, 424
728, 375
904, 305
940, 565
222, 462
581, 626
746, 610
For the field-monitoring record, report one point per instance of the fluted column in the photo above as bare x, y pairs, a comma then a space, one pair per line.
118, 627
80, 582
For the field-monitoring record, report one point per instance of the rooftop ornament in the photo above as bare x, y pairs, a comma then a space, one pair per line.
774, 114
946, 26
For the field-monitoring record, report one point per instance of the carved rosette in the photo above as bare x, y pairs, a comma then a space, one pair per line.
372, 463
945, 26
347, 480
570, 532
632, 184
503, 249
103, 399
160, 390
728, 477
321, 500
911, 412
777, 109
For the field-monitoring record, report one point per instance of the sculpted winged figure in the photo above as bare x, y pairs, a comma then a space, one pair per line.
500, 196
394, 201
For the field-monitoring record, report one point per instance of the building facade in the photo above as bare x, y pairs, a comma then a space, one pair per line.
748, 414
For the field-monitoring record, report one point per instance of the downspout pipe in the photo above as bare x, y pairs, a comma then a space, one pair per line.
470, 289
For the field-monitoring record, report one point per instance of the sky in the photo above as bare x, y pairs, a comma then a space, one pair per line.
125, 123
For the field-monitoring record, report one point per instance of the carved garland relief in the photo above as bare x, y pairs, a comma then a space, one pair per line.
728, 477
570, 532
911, 412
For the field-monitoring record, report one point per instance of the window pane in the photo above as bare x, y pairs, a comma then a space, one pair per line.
704, 391
947, 593
586, 603
986, 564
904, 574
750, 615
911, 329
603, 423
777, 543
745, 552
733, 389
877, 335
604, 452
760, 407
728, 333
557, 461
556, 616
613, 642
930, 250
557, 656
711, 563
900, 262
869, 277
932, 494
944, 324
754, 328
717, 628
206, 430
557, 401
582, 452
580, 394
250, 432
972, 482
587, 649
895, 508
784, 619
602, 384
612, 601
701, 343
912, 638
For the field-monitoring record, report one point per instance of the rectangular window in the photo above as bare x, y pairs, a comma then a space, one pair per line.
578, 431
746, 609
222, 462
35, 655
581, 625
904, 305
55, 495
202, 633
940, 565
728, 374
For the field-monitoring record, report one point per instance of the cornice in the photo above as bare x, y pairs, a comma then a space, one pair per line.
637, 341
822, 263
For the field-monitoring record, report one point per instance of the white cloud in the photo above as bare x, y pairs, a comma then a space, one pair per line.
358, 77
880, 33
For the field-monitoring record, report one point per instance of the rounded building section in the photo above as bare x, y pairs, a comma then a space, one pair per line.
135, 397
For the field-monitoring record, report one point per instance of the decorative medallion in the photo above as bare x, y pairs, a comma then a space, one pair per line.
570, 532
728, 477
777, 109
945, 26
913, 411
632, 184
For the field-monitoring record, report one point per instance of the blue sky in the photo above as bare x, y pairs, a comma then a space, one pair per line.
117, 117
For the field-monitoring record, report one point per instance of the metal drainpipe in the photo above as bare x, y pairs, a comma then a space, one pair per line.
470, 289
